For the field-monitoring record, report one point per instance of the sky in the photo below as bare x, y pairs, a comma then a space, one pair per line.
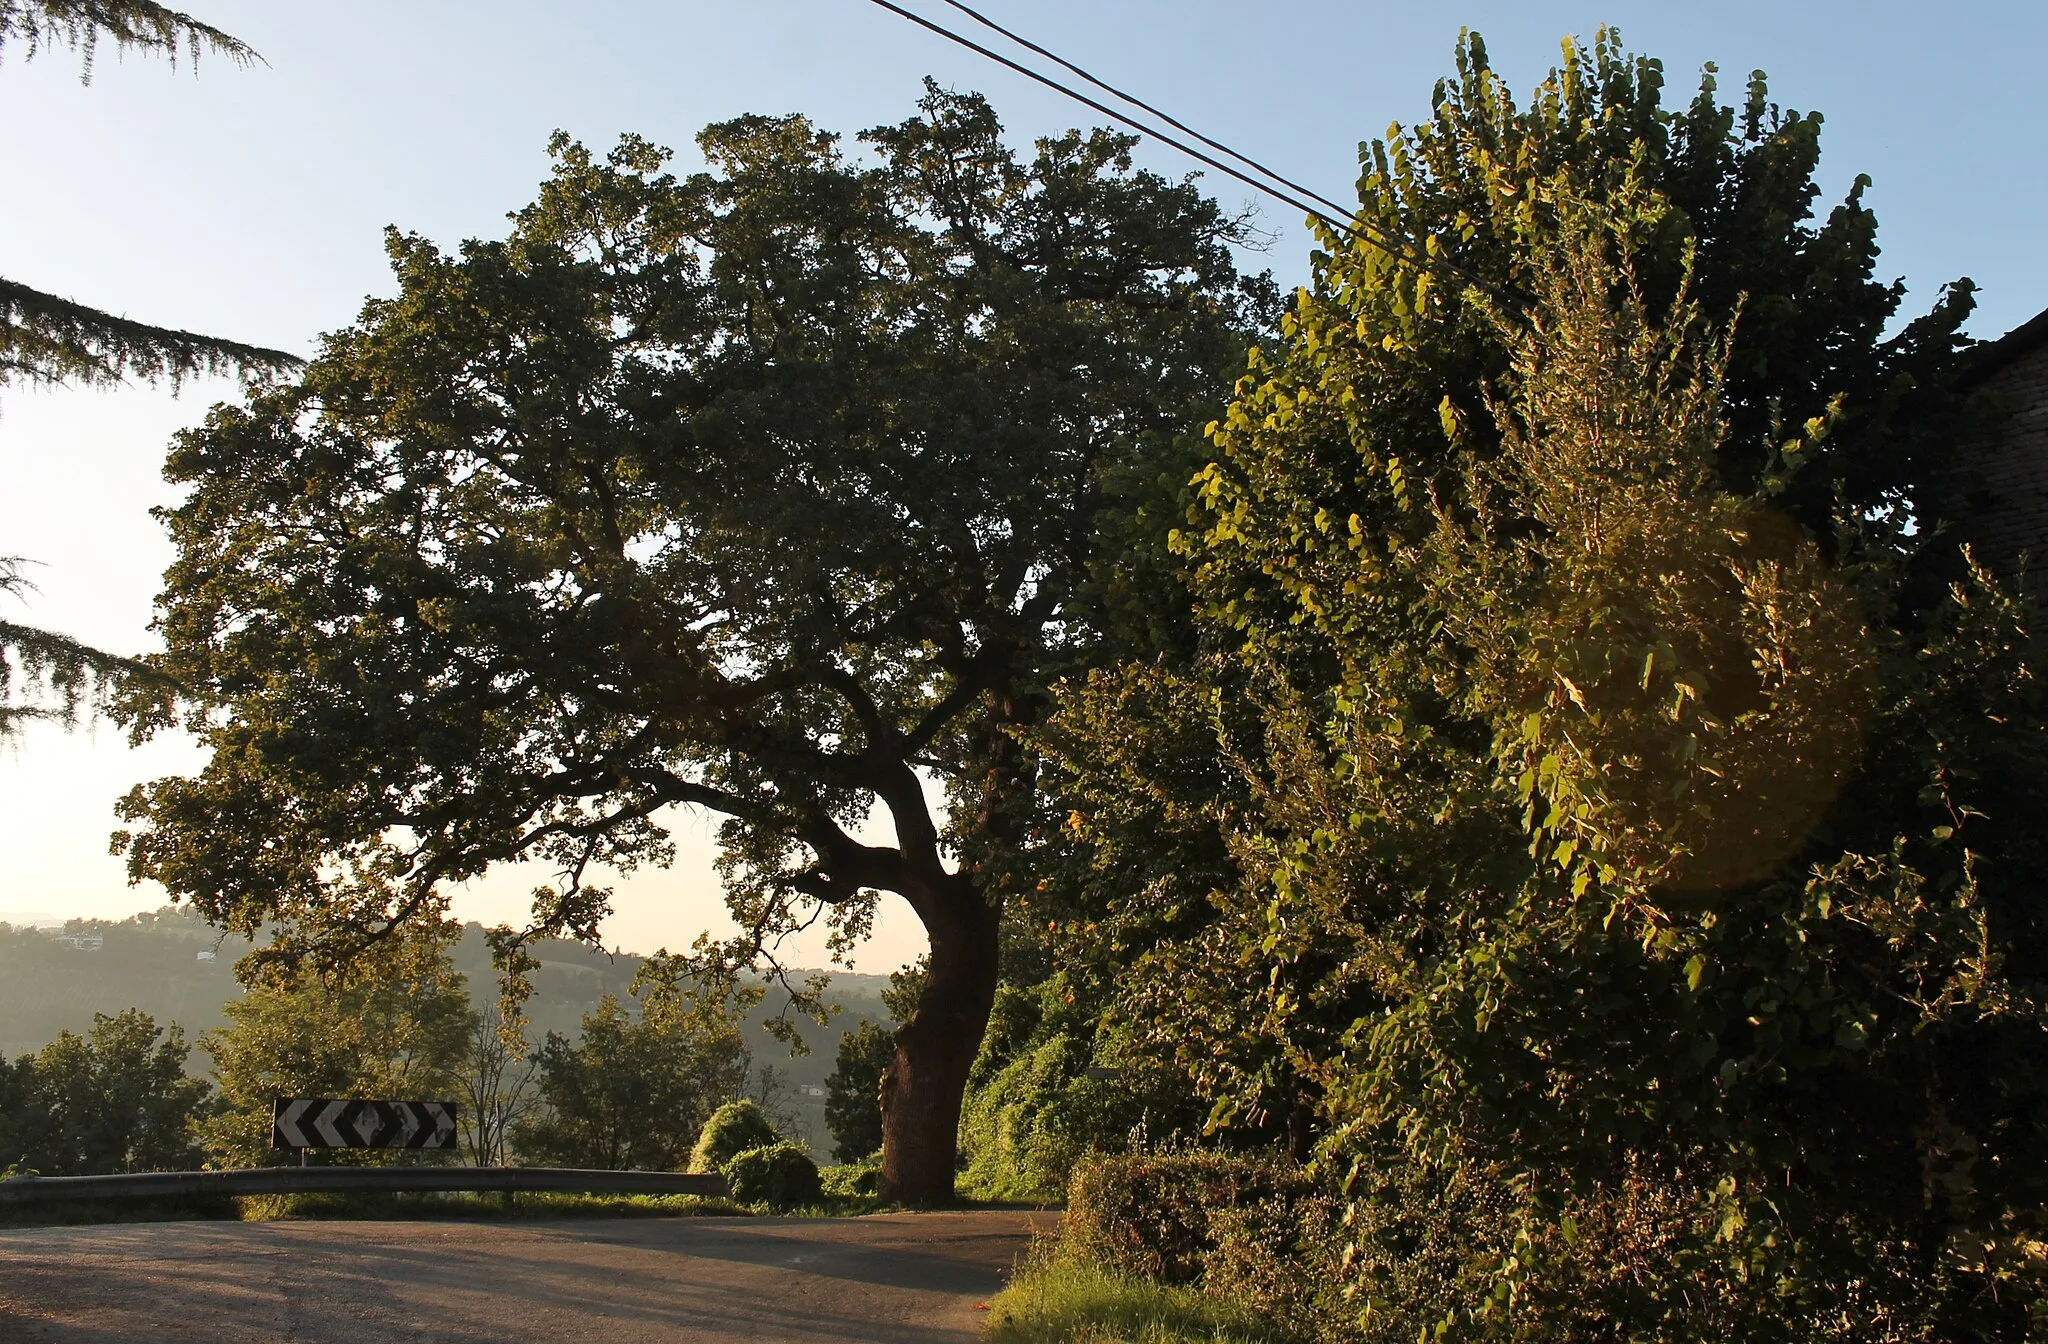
250, 203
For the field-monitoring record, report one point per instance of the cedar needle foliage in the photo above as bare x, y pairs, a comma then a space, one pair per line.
48, 340
49, 677
130, 25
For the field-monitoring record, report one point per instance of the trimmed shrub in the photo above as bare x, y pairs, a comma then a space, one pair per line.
781, 1175
1152, 1214
732, 1129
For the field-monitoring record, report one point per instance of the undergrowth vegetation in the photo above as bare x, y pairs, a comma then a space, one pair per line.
1058, 1298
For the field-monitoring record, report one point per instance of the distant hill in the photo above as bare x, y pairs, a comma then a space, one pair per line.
174, 967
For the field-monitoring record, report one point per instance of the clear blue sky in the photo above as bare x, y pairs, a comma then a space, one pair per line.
250, 203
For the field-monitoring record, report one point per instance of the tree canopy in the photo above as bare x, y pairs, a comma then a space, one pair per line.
774, 490
853, 1103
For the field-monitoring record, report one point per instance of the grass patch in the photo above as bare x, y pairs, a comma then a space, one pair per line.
1057, 1299
481, 1204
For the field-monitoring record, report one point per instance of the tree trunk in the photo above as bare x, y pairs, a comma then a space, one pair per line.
923, 1088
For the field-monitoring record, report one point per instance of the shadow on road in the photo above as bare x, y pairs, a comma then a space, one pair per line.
911, 1278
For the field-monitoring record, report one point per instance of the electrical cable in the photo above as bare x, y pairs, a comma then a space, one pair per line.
1356, 230
1115, 92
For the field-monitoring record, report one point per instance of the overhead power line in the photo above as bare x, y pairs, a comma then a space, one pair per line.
1281, 192
1181, 126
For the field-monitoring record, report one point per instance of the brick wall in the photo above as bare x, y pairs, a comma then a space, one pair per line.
1997, 499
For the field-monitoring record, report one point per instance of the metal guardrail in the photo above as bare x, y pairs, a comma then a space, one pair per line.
328, 1180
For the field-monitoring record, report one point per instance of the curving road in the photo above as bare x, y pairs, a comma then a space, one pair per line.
899, 1277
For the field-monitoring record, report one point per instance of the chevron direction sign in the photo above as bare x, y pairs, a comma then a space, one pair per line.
323, 1122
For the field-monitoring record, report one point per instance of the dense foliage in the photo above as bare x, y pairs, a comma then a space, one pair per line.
1156, 1215
634, 1090
1620, 852
114, 1100
1053, 1083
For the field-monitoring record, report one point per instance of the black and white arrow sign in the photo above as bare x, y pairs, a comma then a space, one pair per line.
324, 1122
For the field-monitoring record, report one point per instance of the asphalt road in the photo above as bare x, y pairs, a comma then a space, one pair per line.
896, 1277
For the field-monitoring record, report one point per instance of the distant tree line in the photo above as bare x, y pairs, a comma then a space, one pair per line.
633, 1090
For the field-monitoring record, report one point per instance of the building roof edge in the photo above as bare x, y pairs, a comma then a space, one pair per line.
1988, 359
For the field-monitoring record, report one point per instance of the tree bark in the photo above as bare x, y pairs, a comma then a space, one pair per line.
927, 1079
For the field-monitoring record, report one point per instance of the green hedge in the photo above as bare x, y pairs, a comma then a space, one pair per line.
1155, 1215
852, 1180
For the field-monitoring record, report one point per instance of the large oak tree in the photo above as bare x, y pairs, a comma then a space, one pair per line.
778, 490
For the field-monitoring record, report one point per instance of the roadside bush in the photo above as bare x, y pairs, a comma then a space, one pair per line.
1281, 1261
732, 1129
854, 1180
781, 1175
1032, 1110
634, 1090
395, 1024
1026, 1127
1645, 1254
116, 1099
1153, 1214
